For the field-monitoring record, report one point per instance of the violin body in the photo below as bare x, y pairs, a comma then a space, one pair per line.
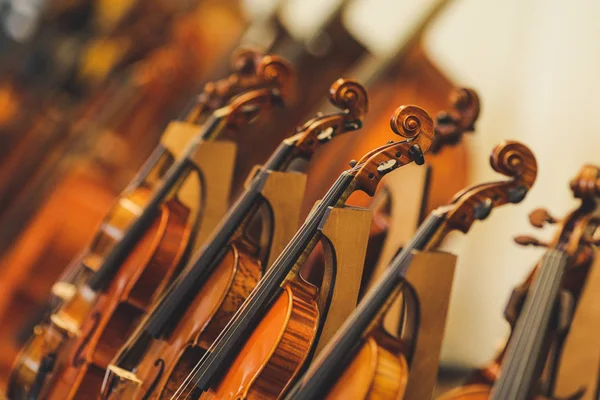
277, 348
142, 278
68, 323
65, 224
47, 338
374, 373
165, 364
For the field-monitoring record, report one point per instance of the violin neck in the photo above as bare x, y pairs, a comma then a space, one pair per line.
103, 276
174, 303
231, 337
343, 345
521, 366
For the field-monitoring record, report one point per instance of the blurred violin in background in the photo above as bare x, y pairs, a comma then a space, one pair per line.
541, 310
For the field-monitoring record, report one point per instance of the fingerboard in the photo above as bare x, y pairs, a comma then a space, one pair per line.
343, 346
519, 370
232, 337
182, 291
109, 267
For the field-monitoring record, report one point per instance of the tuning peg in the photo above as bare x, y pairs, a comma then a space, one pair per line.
482, 210
416, 153
540, 217
526, 240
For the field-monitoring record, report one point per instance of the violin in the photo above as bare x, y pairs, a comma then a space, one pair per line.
146, 273
549, 302
67, 220
145, 220
156, 359
271, 337
362, 360
450, 126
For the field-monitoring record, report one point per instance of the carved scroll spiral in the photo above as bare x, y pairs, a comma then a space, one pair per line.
586, 184
515, 160
451, 125
408, 121
278, 71
414, 123
349, 95
509, 158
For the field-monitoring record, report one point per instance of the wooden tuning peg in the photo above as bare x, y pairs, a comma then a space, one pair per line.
526, 240
540, 217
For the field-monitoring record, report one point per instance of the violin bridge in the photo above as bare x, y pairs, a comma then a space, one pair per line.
63, 290
66, 324
124, 374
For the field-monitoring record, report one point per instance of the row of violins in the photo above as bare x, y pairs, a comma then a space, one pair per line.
146, 311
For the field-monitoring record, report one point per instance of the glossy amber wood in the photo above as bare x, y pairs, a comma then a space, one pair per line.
151, 265
61, 228
75, 310
374, 373
276, 350
472, 392
166, 363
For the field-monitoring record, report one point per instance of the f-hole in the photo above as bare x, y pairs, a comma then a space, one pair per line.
78, 359
160, 364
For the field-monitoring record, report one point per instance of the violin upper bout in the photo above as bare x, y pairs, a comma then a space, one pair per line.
373, 373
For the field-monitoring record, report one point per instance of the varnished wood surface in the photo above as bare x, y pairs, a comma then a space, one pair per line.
276, 349
148, 269
373, 374
61, 228
222, 294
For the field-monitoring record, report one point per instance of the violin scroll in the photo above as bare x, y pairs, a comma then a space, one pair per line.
412, 121
512, 159
587, 183
349, 95
515, 160
451, 125
249, 73
278, 72
408, 121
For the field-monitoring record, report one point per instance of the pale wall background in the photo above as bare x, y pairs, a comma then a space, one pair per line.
536, 66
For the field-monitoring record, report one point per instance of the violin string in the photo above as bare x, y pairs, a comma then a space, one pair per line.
537, 340
525, 332
527, 335
282, 156
340, 342
261, 289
